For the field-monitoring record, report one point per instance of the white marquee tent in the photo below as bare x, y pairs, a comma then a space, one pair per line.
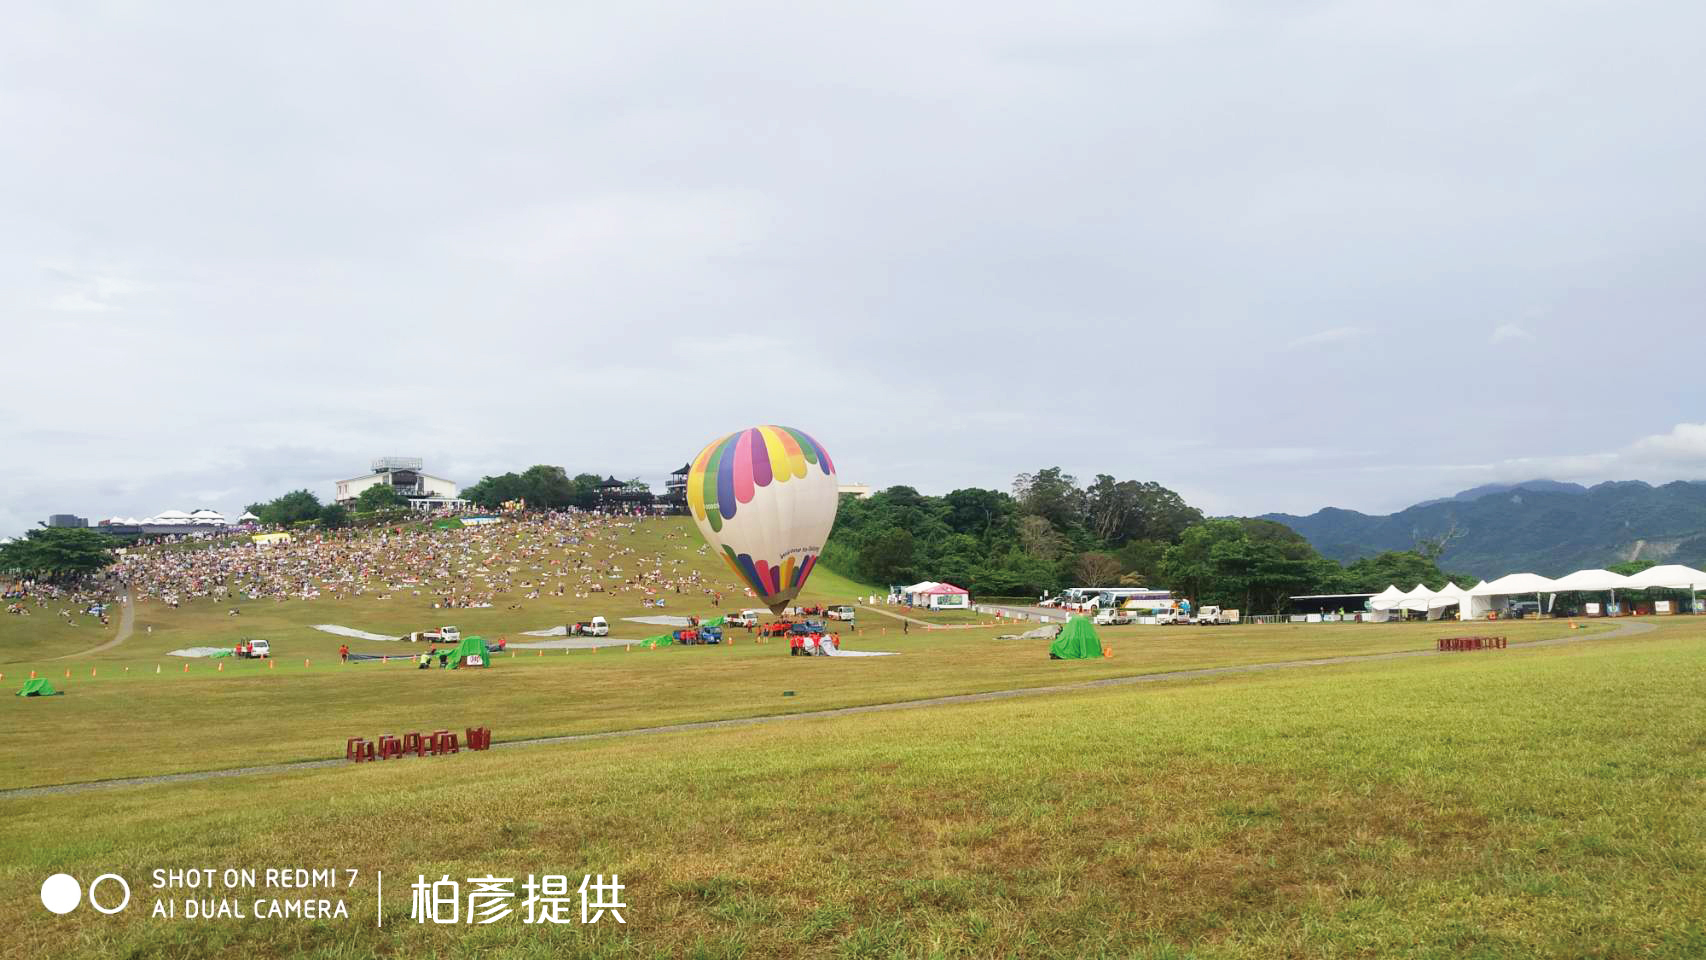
1668, 577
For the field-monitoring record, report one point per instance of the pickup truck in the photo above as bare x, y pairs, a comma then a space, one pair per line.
1111, 618
840, 612
807, 627
1173, 618
1214, 617
745, 618
596, 627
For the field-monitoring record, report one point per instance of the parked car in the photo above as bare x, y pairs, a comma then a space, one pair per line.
596, 627
449, 635
745, 618
807, 626
1112, 618
840, 612
693, 635
254, 649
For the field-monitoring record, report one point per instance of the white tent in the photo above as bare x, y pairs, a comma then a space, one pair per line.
1488, 597
1387, 599
1671, 576
1416, 599
248, 517
1450, 595
1590, 581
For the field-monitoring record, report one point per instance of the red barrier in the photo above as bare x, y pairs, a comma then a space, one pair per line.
414, 743
390, 746
358, 750
479, 738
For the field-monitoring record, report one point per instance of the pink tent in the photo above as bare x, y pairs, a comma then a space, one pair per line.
943, 588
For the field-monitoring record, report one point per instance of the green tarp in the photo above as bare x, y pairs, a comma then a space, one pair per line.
470, 647
715, 622
1077, 641
38, 687
661, 640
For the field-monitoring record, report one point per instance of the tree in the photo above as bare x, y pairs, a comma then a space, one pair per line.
379, 497
1053, 495
547, 487
297, 506
58, 553
888, 556
585, 495
1096, 569
1041, 540
333, 516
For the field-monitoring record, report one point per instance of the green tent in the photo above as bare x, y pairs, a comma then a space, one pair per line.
471, 646
1077, 641
38, 687
661, 640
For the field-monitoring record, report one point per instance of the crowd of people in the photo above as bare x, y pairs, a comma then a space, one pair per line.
520, 559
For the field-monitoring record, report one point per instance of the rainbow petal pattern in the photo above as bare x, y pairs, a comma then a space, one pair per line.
766, 497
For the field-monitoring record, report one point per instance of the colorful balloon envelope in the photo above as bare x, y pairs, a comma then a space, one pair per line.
766, 499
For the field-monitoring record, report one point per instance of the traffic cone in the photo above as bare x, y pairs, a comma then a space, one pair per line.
156, 668
221, 667
68, 674
186, 666
32, 674
271, 663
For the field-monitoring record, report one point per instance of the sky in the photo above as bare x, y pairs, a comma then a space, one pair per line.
1274, 255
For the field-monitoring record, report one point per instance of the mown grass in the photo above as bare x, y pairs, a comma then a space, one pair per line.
1532, 803
127, 720
28, 642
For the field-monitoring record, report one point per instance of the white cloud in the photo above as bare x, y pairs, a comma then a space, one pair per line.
1506, 332
1335, 335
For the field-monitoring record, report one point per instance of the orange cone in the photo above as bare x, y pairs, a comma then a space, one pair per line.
221, 667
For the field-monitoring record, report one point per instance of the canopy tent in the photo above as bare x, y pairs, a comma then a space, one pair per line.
1417, 598
471, 652
38, 687
1590, 581
1450, 595
1488, 597
1671, 576
943, 595
1386, 599
1077, 641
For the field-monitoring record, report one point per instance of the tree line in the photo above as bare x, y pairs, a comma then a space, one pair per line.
57, 553
301, 508
1051, 532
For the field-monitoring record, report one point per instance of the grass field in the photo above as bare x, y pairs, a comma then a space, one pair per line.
1529, 803
128, 720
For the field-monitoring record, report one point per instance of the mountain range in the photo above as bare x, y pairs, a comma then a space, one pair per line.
1540, 526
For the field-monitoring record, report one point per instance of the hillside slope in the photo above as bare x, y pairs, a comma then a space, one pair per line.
1551, 530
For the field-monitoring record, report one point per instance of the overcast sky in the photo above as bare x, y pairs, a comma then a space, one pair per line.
1275, 255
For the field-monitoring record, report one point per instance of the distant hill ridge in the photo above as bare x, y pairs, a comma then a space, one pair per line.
1542, 526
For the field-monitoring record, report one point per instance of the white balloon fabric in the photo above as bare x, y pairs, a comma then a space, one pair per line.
766, 498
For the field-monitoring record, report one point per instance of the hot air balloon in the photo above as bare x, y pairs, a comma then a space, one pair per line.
766, 498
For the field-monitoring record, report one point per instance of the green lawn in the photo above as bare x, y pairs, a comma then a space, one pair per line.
1527, 803
128, 720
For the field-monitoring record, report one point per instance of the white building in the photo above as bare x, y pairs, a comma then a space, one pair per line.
404, 475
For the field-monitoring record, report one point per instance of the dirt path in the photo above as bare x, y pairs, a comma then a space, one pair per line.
126, 624
1625, 630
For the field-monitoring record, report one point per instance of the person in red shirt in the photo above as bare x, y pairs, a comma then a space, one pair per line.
343, 652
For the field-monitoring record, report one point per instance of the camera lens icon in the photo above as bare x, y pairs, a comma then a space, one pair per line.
61, 893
